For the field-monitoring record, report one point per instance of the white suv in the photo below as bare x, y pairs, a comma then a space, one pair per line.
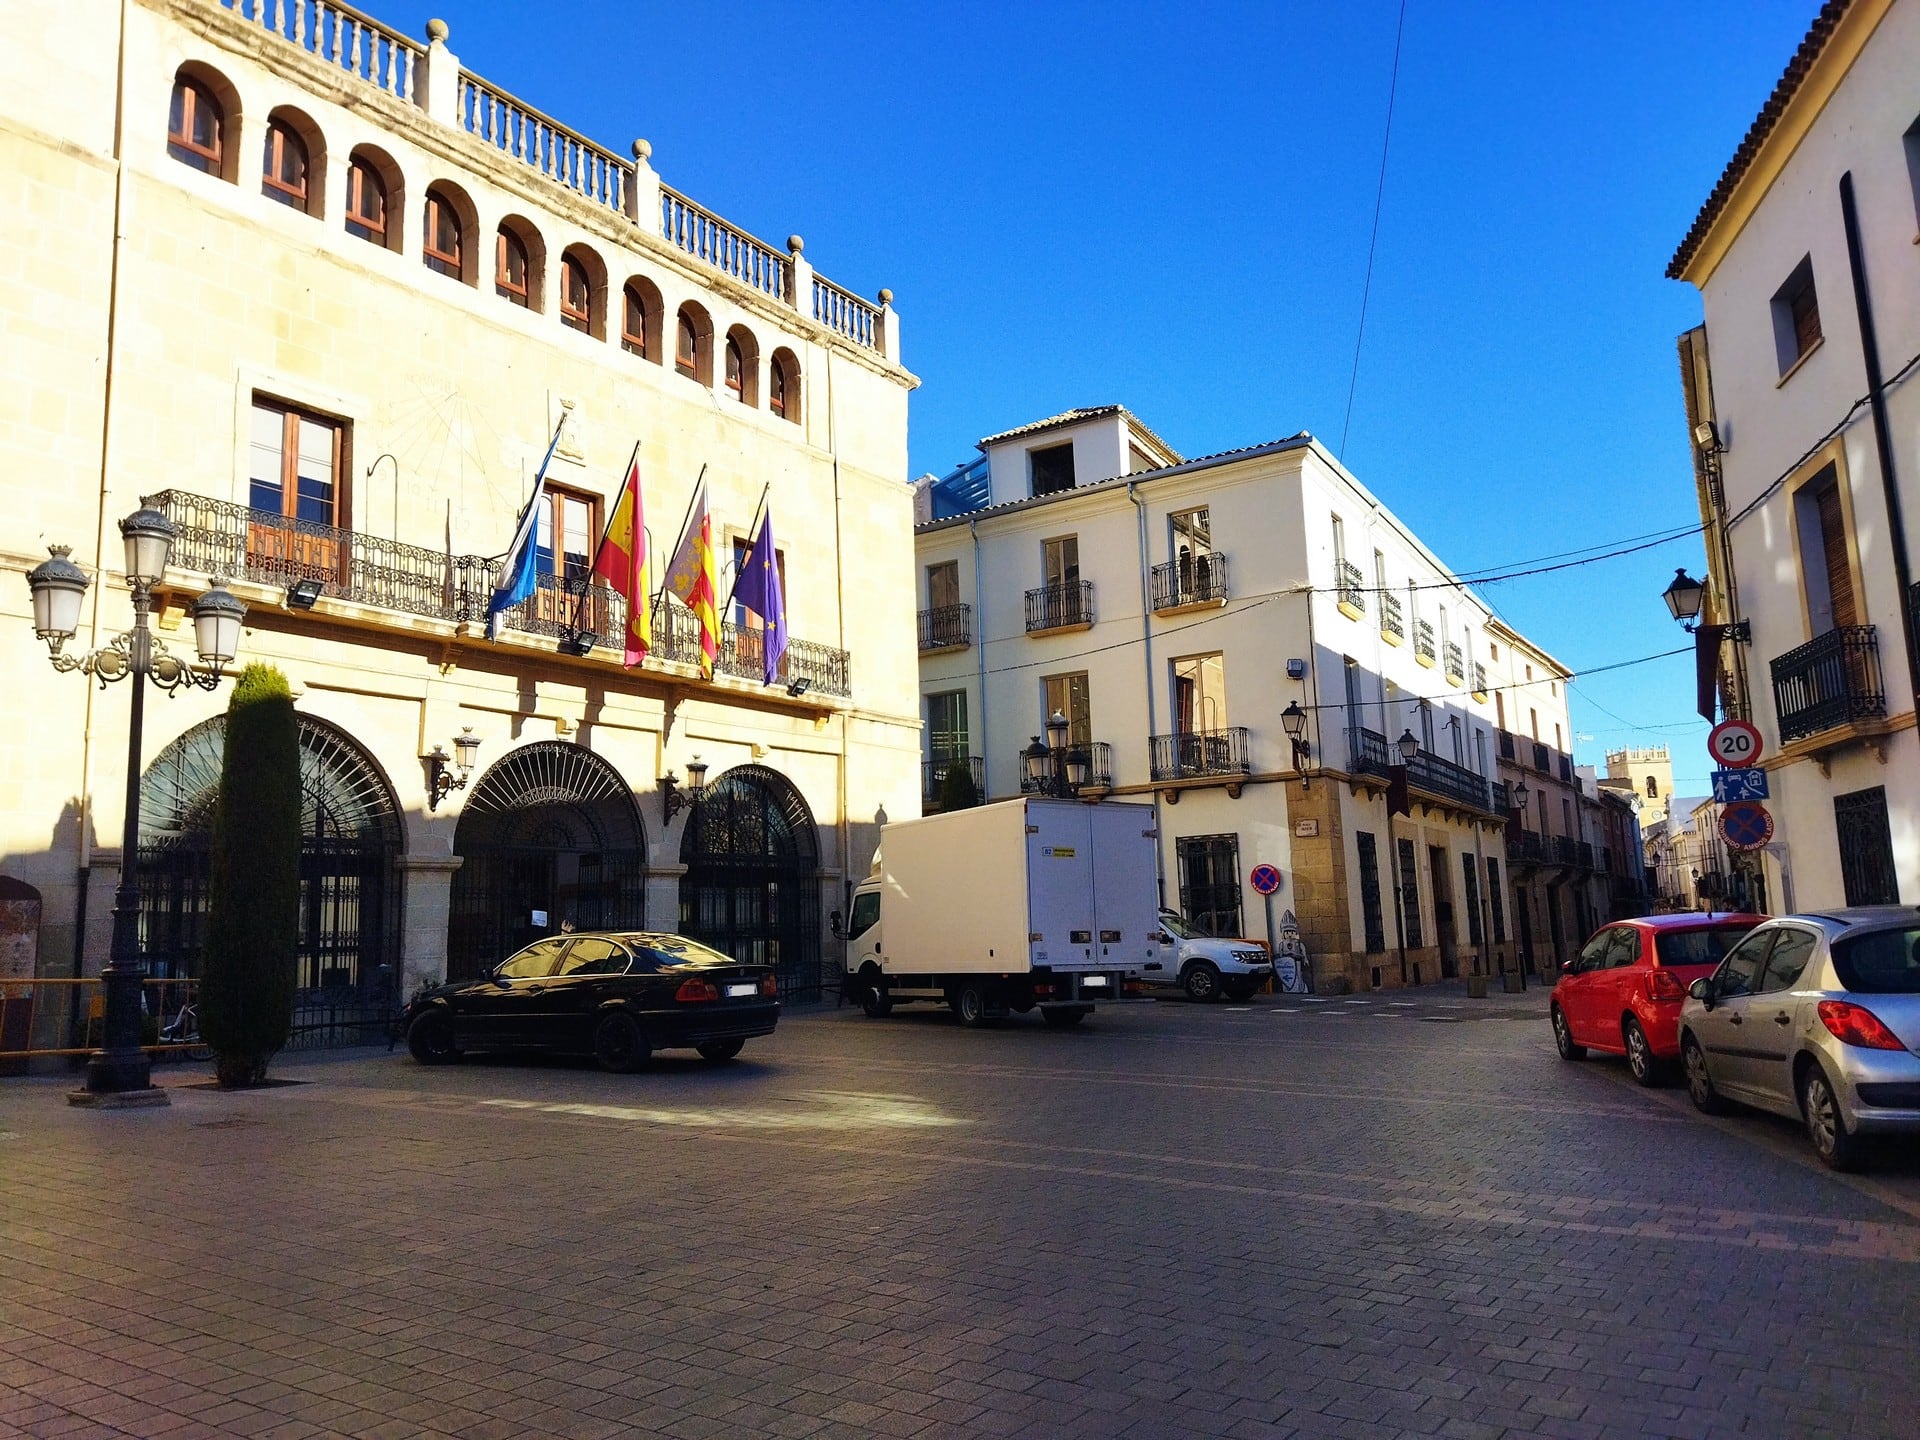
1205, 966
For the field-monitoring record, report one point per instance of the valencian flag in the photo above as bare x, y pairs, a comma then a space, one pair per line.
758, 588
622, 563
519, 566
691, 576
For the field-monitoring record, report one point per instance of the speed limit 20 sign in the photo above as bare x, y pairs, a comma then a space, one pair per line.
1734, 744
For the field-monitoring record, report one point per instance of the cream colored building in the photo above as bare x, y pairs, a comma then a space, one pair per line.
1172, 611
328, 294
1644, 771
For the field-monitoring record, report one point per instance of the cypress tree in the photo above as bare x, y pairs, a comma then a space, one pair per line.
253, 900
956, 787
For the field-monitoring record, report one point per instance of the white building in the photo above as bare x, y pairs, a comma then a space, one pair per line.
1172, 611
327, 294
1805, 411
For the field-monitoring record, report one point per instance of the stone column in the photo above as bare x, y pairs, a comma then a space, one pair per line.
643, 194
437, 87
802, 297
889, 337
426, 904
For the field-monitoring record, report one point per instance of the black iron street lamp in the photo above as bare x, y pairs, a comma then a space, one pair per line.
121, 1066
674, 799
1052, 769
1294, 720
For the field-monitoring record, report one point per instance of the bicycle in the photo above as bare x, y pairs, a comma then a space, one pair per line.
184, 1030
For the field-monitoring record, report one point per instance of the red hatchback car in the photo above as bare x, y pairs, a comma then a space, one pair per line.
1622, 993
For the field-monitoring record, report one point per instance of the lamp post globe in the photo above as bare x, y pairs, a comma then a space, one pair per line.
1520, 795
466, 745
1294, 720
1057, 731
1683, 597
1034, 761
1408, 746
58, 586
216, 625
148, 535
1079, 766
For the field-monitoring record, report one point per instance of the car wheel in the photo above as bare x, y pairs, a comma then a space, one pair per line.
430, 1038
1063, 1019
1706, 1099
721, 1051
970, 1005
1201, 982
619, 1045
1563, 1038
874, 999
1240, 989
1837, 1147
1647, 1067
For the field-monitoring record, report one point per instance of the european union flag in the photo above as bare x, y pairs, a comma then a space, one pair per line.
759, 590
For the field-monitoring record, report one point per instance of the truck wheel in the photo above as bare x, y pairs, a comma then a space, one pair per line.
1201, 982
1062, 1019
969, 1004
874, 998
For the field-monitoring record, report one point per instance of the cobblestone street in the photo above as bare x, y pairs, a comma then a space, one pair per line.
1365, 1217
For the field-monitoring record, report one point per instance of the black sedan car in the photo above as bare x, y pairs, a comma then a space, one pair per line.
617, 996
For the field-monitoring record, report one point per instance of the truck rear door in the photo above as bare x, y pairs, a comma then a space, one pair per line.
1126, 908
1060, 886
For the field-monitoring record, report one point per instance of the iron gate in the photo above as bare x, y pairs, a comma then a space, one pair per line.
1866, 847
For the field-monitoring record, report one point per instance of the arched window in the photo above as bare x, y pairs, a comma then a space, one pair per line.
693, 344
510, 268
576, 295
366, 201
283, 168
197, 126
736, 369
443, 235
743, 365
640, 321
783, 386
686, 354
1653, 788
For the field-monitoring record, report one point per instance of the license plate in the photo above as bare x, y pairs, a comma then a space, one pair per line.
734, 992
1094, 982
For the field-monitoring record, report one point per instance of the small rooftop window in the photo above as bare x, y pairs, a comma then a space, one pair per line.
1051, 468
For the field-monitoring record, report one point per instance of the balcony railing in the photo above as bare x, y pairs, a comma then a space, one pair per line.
1369, 753
946, 627
1831, 680
1456, 664
1479, 679
1391, 622
1502, 797
933, 775
1423, 640
340, 35
217, 537
564, 156
1506, 745
1542, 758
1190, 580
1055, 607
1352, 585
1099, 768
706, 237
1190, 754
1527, 847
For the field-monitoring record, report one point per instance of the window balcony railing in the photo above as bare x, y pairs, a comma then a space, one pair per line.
1479, 680
1832, 680
1190, 754
1506, 745
1456, 664
1391, 622
1542, 758
1502, 797
1423, 641
933, 775
1369, 753
1068, 605
217, 537
1190, 580
1564, 849
1527, 847
1099, 768
1351, 585
946, 627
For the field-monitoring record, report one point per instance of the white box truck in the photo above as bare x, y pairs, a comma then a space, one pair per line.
1025, 904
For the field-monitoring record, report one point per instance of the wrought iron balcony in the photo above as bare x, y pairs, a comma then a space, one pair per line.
1190, 580
1369, 753
1832, 680
1506, 745
1526, 847
1502, 797
933, 775
1423, 641
946, 627
1456, 664
1391, 622
217, 537
1352, 585
1099, 768
1189, 754
1479, 680
1067, 605
1542, 758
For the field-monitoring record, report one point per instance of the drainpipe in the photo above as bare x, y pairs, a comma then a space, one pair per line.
1882, 432
980, 659
1146, 649
849, 875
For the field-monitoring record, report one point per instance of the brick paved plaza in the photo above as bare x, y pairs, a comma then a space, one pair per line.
1339, 1218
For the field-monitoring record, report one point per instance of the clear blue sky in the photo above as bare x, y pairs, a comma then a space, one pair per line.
1168, 205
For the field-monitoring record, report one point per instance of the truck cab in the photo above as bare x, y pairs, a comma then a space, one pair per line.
1206, 967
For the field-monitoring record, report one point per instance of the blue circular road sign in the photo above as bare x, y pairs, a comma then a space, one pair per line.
1265, 879
1746, 826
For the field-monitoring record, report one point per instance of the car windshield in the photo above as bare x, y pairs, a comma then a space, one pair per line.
1175, 926
1885, 962
674, 952
1697, 947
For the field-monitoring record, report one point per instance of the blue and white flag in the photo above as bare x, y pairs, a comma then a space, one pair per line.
519, 571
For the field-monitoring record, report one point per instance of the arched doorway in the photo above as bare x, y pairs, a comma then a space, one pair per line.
551, 834
752, 885
350, 840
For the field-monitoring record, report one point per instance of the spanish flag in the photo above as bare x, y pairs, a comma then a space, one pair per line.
692, 577
622, 563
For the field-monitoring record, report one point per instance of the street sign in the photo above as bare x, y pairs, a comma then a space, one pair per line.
1735, 744
1746, 826
1265, 879
1730, 787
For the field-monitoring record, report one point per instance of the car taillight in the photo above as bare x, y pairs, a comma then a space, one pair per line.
1043, 989
1665, 985
769, 985
1857, 1025
691, 991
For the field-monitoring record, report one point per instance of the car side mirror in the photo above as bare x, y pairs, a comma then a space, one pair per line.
833, 923
1566, 967
1702, 990
1164, 938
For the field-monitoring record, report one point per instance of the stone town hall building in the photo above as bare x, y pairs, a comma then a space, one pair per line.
327, 295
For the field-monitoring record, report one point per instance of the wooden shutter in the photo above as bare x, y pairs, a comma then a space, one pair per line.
1833, 541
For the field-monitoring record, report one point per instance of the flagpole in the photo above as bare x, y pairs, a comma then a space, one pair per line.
580, 602
546, 460
758, 510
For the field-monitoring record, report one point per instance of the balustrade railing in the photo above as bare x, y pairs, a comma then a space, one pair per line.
1190, 754
728, 249
562, 155
1190, 580
1391, 621
933, 775
339, 35
1833, 679
1369, 753
845, 313
1054, 607
946, 627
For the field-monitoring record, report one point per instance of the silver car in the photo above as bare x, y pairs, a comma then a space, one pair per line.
1815, 1017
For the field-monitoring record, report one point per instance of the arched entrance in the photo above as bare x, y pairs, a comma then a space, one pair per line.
350, 840
752, 885
551, 831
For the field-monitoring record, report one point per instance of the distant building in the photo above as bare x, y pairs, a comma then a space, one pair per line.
1645, 773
